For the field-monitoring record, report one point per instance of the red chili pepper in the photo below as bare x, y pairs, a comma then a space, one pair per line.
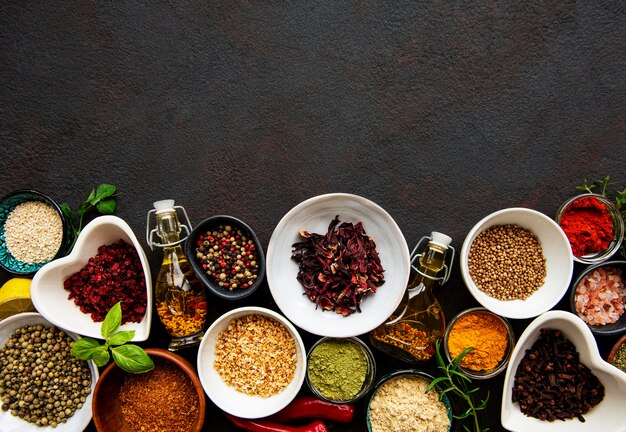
267, 426
312, 407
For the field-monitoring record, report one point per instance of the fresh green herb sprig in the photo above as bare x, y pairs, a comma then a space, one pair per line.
605, 187
102, 199
128, 357
455, 382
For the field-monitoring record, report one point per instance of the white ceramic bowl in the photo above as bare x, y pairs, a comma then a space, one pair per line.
556, 250
227, 398
607, 416
81, 417
50, 298
314, 215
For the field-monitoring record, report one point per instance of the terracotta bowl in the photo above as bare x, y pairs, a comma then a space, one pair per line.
617, 345
106, 407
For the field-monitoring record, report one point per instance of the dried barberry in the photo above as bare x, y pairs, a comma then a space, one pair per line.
114, 274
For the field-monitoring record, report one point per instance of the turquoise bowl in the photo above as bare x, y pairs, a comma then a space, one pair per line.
9, 202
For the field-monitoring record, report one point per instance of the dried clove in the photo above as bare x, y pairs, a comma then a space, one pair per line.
552, 384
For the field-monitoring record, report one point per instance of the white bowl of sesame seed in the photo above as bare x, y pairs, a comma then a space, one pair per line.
517, 263
251, 362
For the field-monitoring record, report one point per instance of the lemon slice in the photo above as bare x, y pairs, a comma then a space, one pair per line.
15, 297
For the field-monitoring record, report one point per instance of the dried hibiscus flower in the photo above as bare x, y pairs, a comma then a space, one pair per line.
340, 268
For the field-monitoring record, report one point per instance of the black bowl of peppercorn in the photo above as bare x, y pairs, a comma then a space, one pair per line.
227, 256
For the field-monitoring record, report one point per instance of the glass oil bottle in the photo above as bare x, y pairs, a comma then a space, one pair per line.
179, 296
412, 331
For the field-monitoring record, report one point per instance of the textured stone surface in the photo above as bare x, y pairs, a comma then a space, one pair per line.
441, 113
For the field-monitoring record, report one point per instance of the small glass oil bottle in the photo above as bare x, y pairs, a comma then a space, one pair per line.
412, 331
180, 297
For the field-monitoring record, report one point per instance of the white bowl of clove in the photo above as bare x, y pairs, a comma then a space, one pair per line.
557, 381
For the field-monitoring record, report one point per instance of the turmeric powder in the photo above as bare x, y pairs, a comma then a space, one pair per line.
483, 331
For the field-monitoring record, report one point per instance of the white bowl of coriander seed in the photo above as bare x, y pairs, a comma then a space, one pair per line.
517, 262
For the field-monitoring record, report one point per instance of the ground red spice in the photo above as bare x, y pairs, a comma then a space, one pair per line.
114, 274
588, 225
163, 399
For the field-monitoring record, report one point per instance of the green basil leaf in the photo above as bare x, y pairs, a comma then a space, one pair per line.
132, 358
67, 211
83, 348
105, 190
93, 198
121, 337
112, 321
107, 206
101, 356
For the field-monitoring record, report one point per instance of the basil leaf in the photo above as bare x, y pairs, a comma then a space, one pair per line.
101, 356
92, 199
105, 190
121, 337
67, 211
132, 358
83, 348
112, 321
107, 206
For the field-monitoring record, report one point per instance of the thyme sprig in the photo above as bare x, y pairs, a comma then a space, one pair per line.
605, 187
455, 382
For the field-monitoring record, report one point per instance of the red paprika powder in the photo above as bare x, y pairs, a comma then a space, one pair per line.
588, 225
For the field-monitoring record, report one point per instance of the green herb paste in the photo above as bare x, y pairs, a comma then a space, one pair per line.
337, 369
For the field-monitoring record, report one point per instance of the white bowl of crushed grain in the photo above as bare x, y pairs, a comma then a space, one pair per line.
251, 362
517, 263
400, 403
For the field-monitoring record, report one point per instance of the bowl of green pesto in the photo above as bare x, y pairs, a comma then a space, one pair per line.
340, 370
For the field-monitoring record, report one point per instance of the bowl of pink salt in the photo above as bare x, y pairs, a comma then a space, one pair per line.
169, 397
598, 297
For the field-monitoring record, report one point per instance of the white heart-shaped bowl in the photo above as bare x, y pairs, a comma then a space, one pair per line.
556, 250
314, 215
607, 416
51, 299
81, 417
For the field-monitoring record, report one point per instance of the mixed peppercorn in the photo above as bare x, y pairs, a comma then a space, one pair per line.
229, 256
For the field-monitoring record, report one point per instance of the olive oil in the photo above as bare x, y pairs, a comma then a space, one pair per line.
412, 331
180, 297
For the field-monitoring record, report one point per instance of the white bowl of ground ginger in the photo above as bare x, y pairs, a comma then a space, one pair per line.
400, 402
251, 362
517, 262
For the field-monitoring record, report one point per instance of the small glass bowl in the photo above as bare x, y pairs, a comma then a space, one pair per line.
445, 399
8, 203
502, 364
618, 228
369, 375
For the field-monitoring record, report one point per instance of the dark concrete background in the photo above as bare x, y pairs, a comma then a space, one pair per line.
439, 112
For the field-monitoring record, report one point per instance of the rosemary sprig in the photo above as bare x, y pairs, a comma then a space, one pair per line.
617, 196
455, 382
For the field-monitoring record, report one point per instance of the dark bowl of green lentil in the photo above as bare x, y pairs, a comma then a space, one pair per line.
227, 256
169, 397
33, 232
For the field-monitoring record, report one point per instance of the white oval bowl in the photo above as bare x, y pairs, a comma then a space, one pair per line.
556, 250
50, 298
226, 397
607, 416
314, 215
81, 417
